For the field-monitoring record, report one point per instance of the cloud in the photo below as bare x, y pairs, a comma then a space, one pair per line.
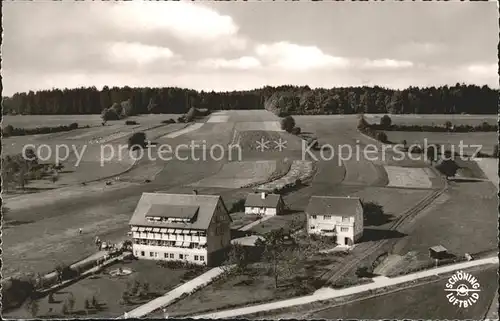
187, 22
386, 64
483, 69
137, 53
243, 63
295, 57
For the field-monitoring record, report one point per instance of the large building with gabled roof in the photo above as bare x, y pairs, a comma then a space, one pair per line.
180, 227
339, 217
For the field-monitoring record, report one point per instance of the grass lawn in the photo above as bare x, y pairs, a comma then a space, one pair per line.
108, 290
279, 221
257, 285
241, 219
426, 301
462, 220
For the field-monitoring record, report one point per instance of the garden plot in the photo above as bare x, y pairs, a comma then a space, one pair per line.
490, 168
301, 170
239, 174
407, 177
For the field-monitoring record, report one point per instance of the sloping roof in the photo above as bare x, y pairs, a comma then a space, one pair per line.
174, 211
332, 205
255, 200
438, 249
182, 203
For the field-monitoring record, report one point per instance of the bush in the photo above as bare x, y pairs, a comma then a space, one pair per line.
131, 122
181, 119
382, 137
168, 121
110, 114
495, 151
385, 121
137, 140
8, 130
190, 115
296, 131
238, 206
287, 123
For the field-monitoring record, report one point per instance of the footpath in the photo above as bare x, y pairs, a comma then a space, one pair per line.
329, 293
176, 293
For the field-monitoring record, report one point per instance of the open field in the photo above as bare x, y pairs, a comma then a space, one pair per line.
462, 222
108, 290
407, 177
490, 168
238, 174
435, 119
449, 140
427, 301
299, 170
33, 121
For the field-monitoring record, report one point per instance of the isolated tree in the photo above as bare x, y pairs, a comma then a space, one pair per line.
137, 141
448, 168
86, 305
296, 130
33, 307
94, 302
287, 123
64, 308
373, 212
448, 125
54, 178
432, 153
278, 252
385, 121
145, 288
71, 301
8, 130
238, 206
51, 298
238, 256
382, 137
362, 123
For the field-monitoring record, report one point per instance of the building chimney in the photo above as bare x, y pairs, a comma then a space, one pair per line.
195, 192
263, 195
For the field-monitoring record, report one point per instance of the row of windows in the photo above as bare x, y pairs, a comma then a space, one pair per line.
329, 217
342, 229
172, 256
190, 245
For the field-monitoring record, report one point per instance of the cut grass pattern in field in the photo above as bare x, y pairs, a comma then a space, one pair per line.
407, 177
239, 174
364, 172
301, 170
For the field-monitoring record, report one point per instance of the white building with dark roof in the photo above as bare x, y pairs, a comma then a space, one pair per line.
180, 227
339, 217
264, 204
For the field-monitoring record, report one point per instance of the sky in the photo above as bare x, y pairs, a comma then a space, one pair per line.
244, 45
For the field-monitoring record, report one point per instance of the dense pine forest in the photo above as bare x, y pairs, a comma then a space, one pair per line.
282, 100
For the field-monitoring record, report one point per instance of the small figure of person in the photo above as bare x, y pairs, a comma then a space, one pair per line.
80, 231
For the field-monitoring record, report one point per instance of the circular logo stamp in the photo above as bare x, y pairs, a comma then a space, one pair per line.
463, 289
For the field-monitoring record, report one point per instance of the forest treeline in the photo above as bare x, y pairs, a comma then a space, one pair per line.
283, 100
